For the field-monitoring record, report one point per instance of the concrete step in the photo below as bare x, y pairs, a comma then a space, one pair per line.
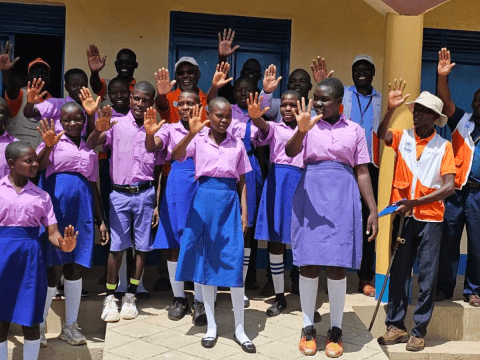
436, 350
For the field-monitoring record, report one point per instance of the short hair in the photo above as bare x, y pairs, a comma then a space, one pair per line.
129, 53
252, 61
217, 101
192, 92
334, 85
245, 79
304, 72
147, 87
16, 149
118, 80
71, 105
291, 92
72, 72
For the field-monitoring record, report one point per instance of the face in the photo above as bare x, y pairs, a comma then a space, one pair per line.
423, 116
187, 76
476, 104
125, 66
72, 121
119, 95
300, 82
39, 72
324, 103
242, 92
140, 101
186, 104
220, 117
363, 73
74, 84
287, 107
252, 70
25, 165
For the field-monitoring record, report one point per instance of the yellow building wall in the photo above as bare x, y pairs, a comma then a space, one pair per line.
337, 29
455, 15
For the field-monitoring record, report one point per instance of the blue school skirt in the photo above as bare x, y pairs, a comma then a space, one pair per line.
23, 277
274, 218
327, 217
175, 203
72, 198
211, 248
253, 180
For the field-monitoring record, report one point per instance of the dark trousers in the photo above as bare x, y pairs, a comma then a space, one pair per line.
367, 267
422, 242
462, 208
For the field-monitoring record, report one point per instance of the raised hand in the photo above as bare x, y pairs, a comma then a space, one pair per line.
195, 121
103, 122
220, 77
445, 64
225, 43
69, 241
270, 81
34, 91
395, 93
90, 105
6, 62
254, 108
47, 130
150, 121
95, 61
162, 79
303, 115
319, 70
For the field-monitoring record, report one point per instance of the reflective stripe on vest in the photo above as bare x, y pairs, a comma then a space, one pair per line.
463, 149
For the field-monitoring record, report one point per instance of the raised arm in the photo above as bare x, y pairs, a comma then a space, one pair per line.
256, 113
365, 187
47, 131
90, 106
270, 80
103, 124
395, 99
152, 142
195, 124
164, 86
219, 80
319, 70
96, 63
6, 66
444, 68
225, 45
69, 240
34, 96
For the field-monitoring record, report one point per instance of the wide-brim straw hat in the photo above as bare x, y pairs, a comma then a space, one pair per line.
431, 102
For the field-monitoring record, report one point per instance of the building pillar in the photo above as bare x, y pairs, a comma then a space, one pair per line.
403, 59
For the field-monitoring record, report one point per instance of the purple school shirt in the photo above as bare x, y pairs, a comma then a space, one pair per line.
131, 163
51, 108
238, 126
227, 160
5, 139
32, 207
66, 157
171, 135
343, 141
278, 136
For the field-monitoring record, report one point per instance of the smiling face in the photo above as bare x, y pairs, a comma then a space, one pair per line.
325, 103
119, 94
125, 66
363, 73
299, 80
140, 101
243, 88
252, 69
186, 104
187, 76
288, 106
220, 115
423, 117
25, 165
72, 120
73, 85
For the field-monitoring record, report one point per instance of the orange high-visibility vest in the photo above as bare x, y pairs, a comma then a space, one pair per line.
463, 149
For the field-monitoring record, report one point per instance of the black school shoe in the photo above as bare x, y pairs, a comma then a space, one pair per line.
278, 306
247, 346
209, 342
199, 317
179, 309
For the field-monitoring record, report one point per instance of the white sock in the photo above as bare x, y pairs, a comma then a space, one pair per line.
208, 292
122, 275
197, 290
238, 313
4, 350
277, 267
140, 287
308, 297
73, 294
48, 301
177, 286
246, 261
31, 349
337, 290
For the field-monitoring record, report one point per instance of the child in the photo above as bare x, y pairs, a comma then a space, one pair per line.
5, 137
71, 181
275, 211
212, 243
176, 199
133, 199
327, 214
24, 208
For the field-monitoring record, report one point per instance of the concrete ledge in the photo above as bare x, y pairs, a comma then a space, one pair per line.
436, 350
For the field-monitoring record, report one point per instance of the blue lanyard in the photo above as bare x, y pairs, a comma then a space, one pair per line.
247, 141
362, 112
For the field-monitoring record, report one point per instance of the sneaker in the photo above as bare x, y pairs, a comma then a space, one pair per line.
129, 309
72, 335
308, 341
473, 300
179, 309
393, 335
415, 344
199, 316
334, 346
43, 338
278, 306
110, 309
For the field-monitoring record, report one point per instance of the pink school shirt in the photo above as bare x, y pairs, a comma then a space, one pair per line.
51, 108
238, 126
171, 135
227, 160
5, 139
343, 141
32, 207
66, 157
278, 136
131, 163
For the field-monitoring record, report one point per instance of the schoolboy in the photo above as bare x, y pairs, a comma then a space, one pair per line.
5, 137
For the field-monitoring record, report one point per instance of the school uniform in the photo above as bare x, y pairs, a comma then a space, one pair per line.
419, 167
5, 139
67, 178
211, 248
132, 200
326, 212
51, 109
274, 104
23, 278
